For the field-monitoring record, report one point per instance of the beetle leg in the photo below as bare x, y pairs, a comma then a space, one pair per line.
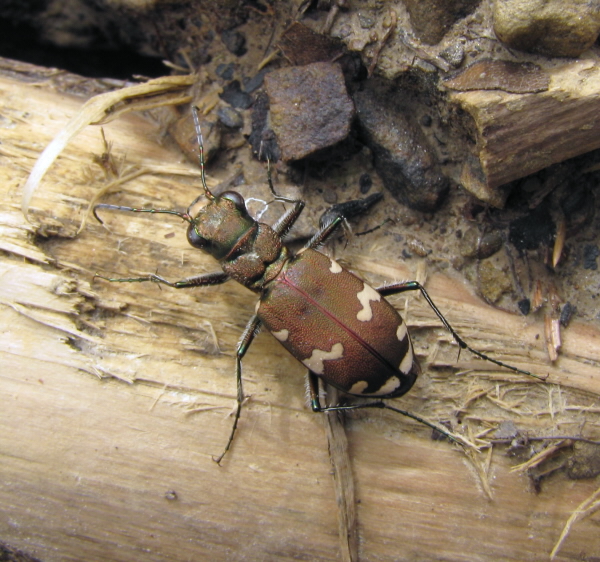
349, 209
396, 288
324, 233
313, 388
251, 330
283, 225
312, 382
206, 279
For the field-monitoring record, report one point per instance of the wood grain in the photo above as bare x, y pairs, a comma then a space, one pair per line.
519, 134
115, 397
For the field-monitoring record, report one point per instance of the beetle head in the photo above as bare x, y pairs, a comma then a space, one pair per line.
218, 227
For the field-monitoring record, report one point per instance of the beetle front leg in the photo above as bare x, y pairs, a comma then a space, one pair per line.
251, 330
401, 287
198, 281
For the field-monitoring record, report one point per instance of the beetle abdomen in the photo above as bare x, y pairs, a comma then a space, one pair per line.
339, 327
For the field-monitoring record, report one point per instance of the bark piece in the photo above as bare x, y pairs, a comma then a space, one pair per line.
508, 76
519, 134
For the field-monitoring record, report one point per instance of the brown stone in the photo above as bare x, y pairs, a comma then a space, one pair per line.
402, 156
310, 108
549, 27
431, 19
301, 45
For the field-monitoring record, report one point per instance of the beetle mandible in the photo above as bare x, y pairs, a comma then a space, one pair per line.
339, 327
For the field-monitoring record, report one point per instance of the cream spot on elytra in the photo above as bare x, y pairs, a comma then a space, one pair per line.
407, 361
389, 386
318, 356
401, 331
335, 267
282, 335
358, 387
365, 297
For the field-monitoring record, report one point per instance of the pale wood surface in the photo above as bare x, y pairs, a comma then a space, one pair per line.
99, 382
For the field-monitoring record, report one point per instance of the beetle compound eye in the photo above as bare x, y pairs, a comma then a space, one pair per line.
237, 199
195, 239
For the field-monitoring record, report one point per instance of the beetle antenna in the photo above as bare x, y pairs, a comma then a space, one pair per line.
185, 216
195, 113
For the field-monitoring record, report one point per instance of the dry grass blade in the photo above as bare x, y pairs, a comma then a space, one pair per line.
586, 507
540, 457
102, 109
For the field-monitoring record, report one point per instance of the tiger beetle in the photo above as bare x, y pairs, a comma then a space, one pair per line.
339, 327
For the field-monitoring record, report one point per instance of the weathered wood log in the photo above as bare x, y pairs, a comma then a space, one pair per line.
518, 134
115, 397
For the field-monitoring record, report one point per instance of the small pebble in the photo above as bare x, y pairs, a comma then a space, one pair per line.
230, 117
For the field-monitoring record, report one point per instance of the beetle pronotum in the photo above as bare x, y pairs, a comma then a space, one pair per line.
339, 327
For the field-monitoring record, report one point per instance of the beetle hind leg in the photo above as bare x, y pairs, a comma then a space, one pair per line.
404, 286
315, 402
